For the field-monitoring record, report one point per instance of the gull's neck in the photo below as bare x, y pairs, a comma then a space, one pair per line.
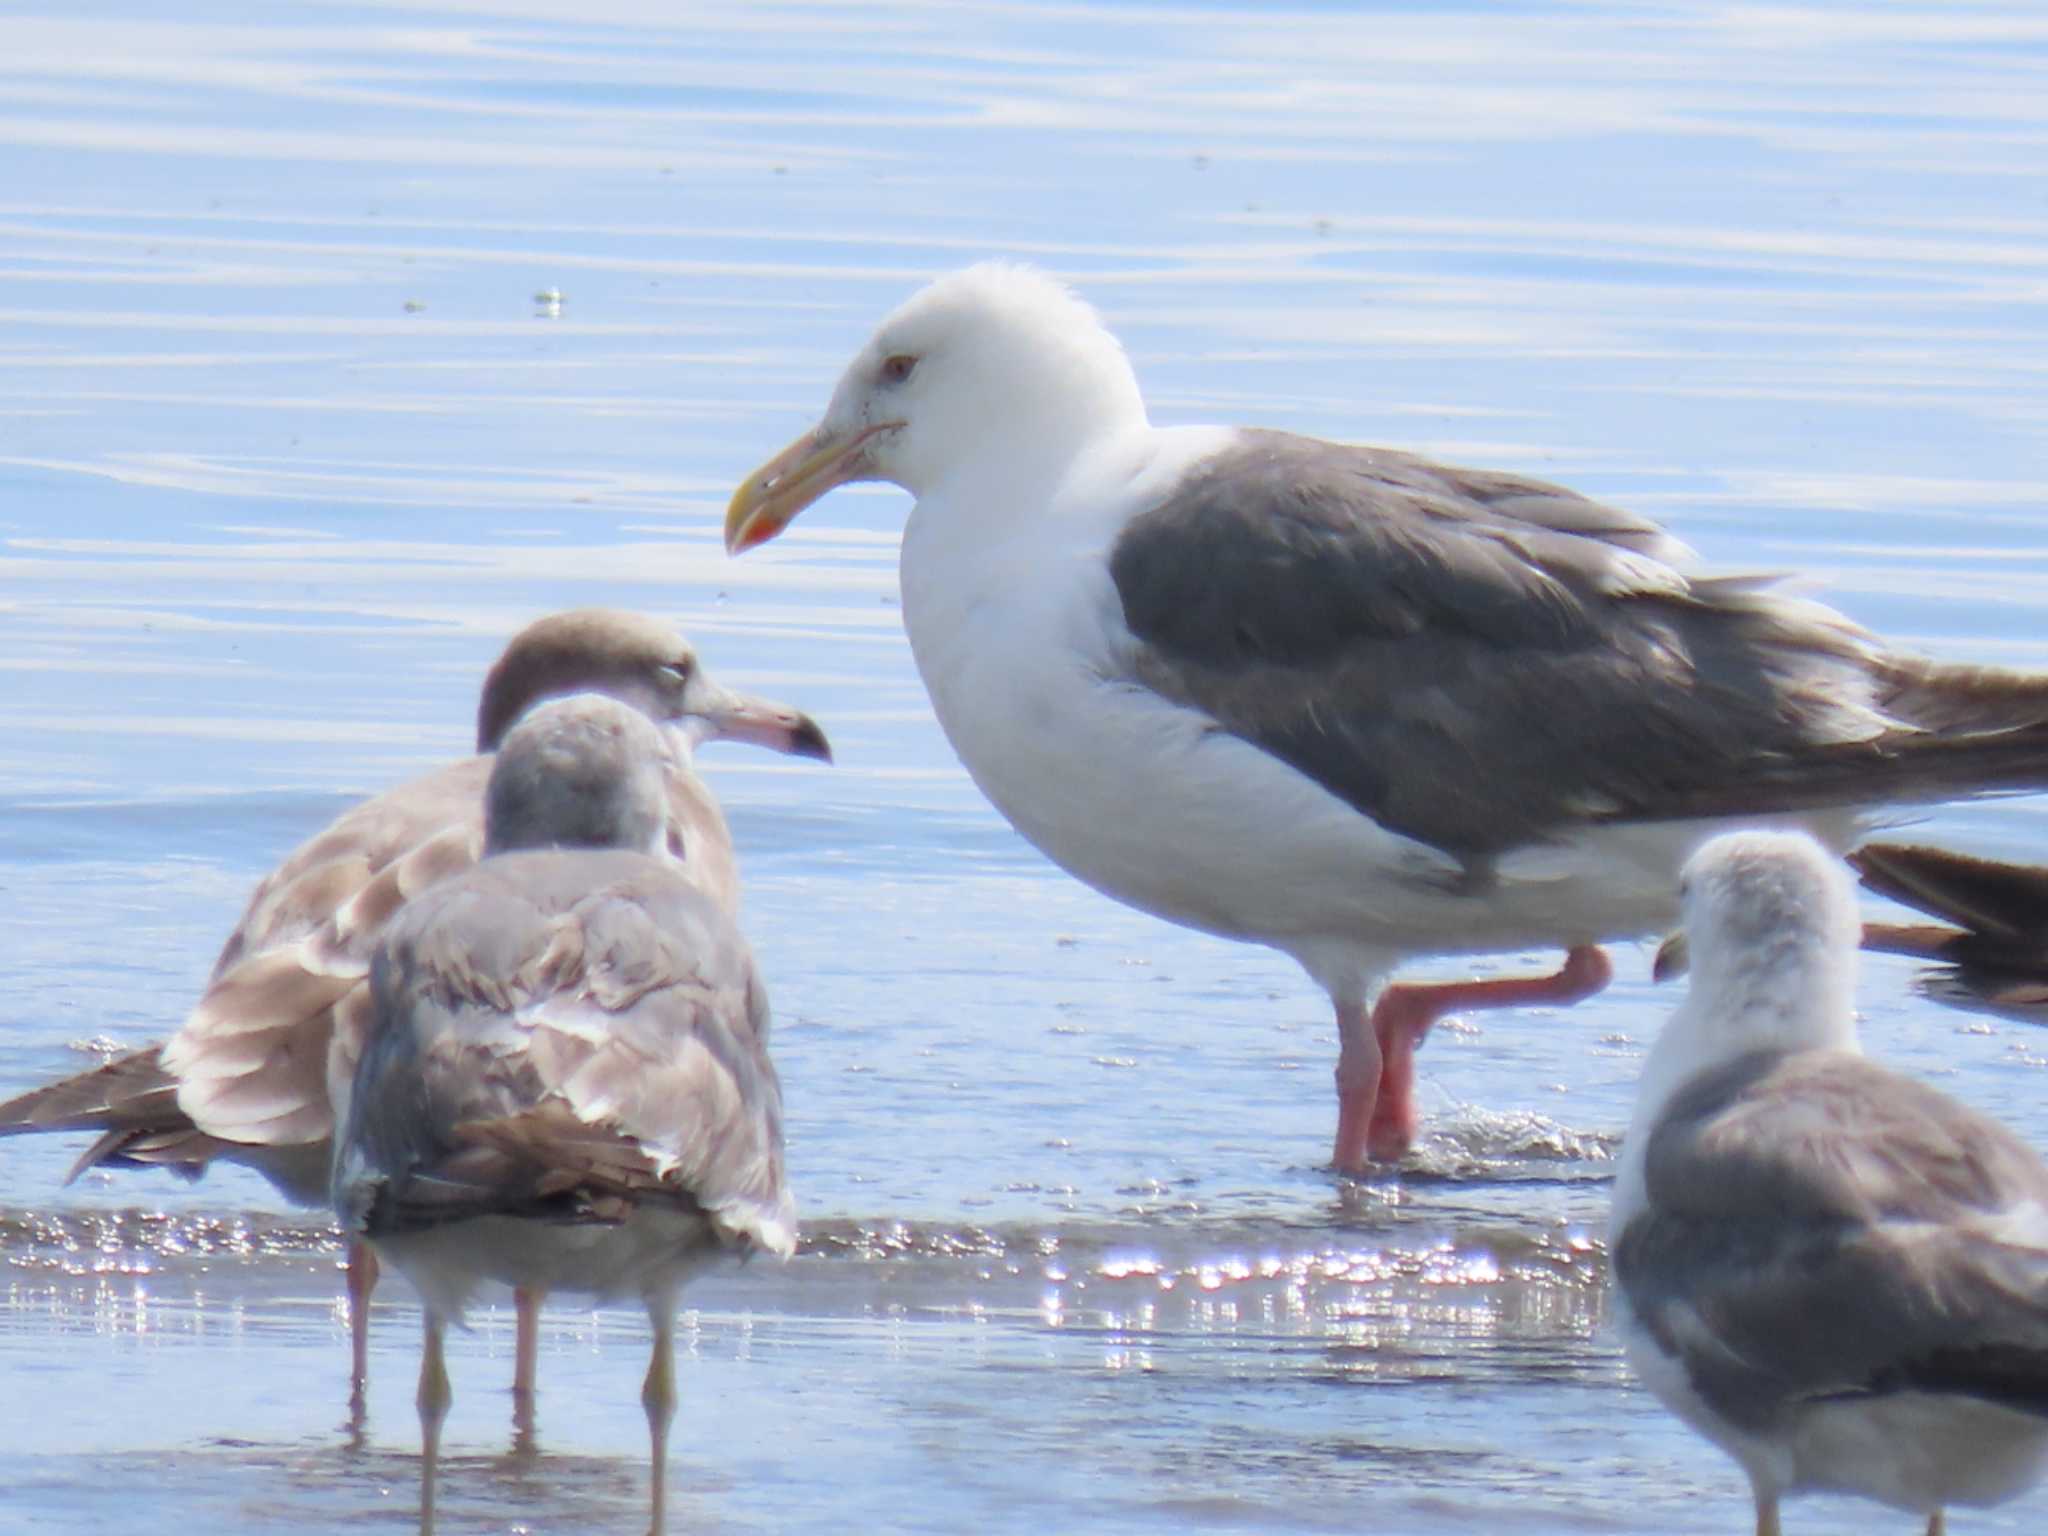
1016, 473
993, 516
1799, 994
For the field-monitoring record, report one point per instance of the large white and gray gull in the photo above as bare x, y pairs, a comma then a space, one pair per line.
566, 1084
246, 1078
1836, 1274
1343, 701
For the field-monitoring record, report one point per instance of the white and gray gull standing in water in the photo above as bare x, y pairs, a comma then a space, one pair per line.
245, 1080
1344, 701
1837, 1275
566, 1084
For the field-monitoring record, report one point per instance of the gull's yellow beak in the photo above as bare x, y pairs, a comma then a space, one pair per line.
769, 499
1674, 958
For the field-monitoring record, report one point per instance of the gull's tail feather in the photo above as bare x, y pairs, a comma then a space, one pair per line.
2004, 903
1994, 917
131, 1101
1954, 700
1911, 766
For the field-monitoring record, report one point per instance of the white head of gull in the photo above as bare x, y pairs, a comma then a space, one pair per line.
1835, 1274
566, 1085
1339, 700
246, 1078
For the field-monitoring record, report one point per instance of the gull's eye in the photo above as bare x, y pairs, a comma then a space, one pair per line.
673, 674
897, 369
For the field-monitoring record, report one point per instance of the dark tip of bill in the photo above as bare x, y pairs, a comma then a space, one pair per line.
808, 740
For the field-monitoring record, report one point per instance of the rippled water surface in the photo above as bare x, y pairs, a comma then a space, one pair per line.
289, 444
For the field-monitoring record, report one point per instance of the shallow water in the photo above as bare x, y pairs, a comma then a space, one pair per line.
288, 447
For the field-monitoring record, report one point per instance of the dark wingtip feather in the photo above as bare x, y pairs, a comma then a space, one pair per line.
1999, 944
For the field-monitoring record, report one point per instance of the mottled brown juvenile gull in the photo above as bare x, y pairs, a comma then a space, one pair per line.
1837, 1275
245, 1079
1347, 702
566, 1083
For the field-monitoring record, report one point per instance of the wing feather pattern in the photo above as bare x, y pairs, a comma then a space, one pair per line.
1818, 1228
566, 1034
1412, 635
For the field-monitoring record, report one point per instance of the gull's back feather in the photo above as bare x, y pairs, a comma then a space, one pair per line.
568, 1035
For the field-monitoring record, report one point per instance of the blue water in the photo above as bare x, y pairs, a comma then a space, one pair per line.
288, 447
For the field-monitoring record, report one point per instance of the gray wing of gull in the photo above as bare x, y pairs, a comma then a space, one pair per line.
564, 1035
1482, 662
289, 1006
1819, 1228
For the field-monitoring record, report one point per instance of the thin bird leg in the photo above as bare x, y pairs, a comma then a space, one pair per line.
1405, 1011
526, 1348
1767, 1515
433, 1399
658, 1397
1937, 1524
361, 1279
1358, 1085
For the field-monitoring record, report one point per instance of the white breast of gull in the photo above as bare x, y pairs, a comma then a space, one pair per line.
1340, 700
566, 1084
1834, 1273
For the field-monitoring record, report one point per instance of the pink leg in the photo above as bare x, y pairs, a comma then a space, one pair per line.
1400, 1021
361, 1280
525, 1357
1360, 1069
